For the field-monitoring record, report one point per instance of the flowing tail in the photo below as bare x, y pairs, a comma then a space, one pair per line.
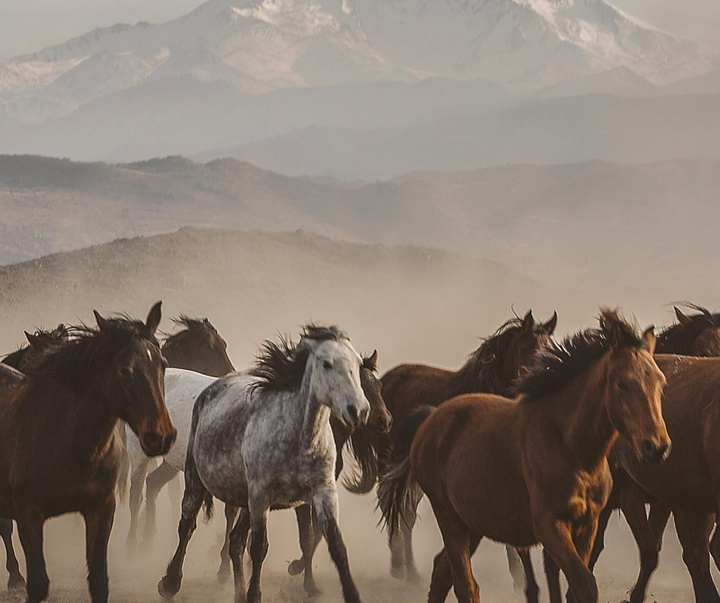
398, 492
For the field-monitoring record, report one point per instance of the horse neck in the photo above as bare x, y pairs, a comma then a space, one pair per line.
88, 415
315, 417
583, 420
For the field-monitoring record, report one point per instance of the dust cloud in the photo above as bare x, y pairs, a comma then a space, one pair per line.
411, 303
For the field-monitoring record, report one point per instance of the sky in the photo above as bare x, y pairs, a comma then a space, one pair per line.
29, 25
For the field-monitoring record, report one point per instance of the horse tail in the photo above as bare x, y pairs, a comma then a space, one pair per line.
398, 492
363, 448
124, 463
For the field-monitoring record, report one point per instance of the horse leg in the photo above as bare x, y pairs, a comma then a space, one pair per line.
552, 574
15, 580
98, 525
396, 543
308, 543
599, 544
258, 552
195, 494
632, 504
326, 507
153, 484
516, 568
557, 538
458, 541
532, 590
411, 573
137, 479
658, 519
236, 549
224, 571
694, 532
715, 546
30, 522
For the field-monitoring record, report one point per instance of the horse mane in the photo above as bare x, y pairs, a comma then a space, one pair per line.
281, 366
561, 362
50, 336
88, 345
190, 325
481, 373
678, 338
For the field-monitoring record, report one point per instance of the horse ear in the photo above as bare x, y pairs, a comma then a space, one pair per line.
154, 316
371, 363
34, 341
101, 322
549, 326
683, 319
528, 321
648, 339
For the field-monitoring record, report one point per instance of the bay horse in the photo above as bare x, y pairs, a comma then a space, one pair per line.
695, 334
532, 470
197, 347
37, 344
58, 450
493, 368
262, 440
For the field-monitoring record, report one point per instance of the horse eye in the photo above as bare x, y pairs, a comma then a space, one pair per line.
126, 372
622, 385
327, 365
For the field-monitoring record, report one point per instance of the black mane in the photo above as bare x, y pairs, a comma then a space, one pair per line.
281, 366
679, 338
482, 372
561, 362
49, 337
88, 347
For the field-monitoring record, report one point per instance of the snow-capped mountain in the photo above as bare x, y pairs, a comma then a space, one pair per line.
262, 45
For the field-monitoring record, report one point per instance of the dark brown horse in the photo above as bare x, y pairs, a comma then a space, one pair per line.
198, 347
697, 334
58, 450
493, 368
38, 343
533, 470
690, 485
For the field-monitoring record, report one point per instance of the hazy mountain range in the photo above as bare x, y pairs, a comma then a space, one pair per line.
549, 222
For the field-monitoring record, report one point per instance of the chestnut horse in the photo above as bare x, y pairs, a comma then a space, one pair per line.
493, 368
38, 343
58, 450
533, 470
692, 335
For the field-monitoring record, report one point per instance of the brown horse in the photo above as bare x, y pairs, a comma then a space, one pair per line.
38, 343
493, 368
693, 335
533, 471
198, 347
58, 450
690, 485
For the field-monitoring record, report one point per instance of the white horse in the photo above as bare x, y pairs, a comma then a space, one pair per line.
263, 441
182, 387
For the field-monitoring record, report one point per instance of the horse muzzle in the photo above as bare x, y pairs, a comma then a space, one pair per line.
156, 444
655, 452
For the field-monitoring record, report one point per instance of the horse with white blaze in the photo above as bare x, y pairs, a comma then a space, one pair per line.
262, 440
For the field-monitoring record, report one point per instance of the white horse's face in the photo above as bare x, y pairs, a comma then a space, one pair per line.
336, 380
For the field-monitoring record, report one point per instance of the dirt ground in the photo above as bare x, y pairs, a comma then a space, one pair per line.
134, 577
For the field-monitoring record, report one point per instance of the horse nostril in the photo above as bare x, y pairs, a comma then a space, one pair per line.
654, 453
352, 414
169, 440
153, 442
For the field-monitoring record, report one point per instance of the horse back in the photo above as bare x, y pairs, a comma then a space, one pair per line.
466, 456
409, 386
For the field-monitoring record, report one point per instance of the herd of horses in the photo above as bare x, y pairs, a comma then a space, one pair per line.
531, 442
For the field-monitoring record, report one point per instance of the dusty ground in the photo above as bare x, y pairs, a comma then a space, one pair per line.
134, 577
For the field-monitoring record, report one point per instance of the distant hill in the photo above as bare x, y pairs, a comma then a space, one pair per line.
254, 285
551, 222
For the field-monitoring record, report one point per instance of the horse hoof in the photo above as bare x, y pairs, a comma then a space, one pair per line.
223, 575
169, 586
16, 582
312, 592
413, 577
296, 567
